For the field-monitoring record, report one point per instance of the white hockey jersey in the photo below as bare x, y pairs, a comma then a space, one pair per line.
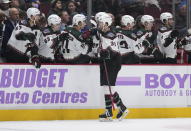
141, 36
109, 40
127, 40
20, 45
171, 50
47, 46
74, 46
187, 47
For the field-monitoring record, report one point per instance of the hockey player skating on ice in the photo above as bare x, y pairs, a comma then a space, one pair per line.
24, 41
110, 65
167, 38
51, 38
127, 40
75, 48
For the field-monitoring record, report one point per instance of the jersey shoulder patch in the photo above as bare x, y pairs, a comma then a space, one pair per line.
128, 33
164, 29
46, 31
109, 35
24, 22
75, 33
139, 33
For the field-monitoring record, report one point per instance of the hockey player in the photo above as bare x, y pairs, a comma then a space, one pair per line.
187, 45
145, 43
127, 40
48, 49
24, 41
167, 37
75, 49
110, 65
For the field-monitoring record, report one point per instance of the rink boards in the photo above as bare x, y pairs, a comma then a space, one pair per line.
60, 92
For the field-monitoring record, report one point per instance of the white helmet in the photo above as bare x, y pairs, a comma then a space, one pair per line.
93, 23
105, 19
127, 19
32, 12
147, 18
54, 20
99, 14
166, 16
78, 18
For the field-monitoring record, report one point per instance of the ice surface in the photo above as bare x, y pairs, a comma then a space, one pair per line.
178, 124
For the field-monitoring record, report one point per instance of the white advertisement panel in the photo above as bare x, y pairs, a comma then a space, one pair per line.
155, 86
50, 87
77, 86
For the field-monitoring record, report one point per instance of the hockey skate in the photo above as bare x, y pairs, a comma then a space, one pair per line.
123, 112
106, 117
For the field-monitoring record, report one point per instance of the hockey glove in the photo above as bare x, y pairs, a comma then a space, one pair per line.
168, 41
149, 51
146, 43
183, 42
35, 60
174, 34
104, 54
25, 36
89, 42
63, 36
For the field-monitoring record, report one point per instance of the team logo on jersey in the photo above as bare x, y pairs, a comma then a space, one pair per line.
110, 34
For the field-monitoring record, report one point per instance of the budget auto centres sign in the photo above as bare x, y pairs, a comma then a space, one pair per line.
52, 87
77, 86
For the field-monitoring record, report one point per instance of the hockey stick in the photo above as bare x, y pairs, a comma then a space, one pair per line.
107, 76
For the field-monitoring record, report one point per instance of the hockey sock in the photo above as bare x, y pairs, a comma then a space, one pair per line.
117, 100
108, 103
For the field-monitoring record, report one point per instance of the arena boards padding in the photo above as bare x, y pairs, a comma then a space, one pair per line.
84, 114
72, 92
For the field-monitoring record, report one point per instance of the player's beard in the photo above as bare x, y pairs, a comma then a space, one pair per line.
104, 28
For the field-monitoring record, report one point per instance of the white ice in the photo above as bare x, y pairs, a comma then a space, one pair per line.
178, 124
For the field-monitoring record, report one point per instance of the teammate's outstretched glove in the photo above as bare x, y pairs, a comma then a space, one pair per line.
149, 51
89, 42
35, 60
146, 43
168, 41
174, 34
63, 36
184, 42
104, 54
25, 36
